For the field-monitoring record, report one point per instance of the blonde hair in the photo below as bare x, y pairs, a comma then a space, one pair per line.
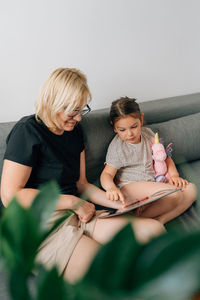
64, 87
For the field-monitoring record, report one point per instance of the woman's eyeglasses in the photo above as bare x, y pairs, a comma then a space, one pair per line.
82, 112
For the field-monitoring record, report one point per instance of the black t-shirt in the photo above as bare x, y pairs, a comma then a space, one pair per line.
51, 156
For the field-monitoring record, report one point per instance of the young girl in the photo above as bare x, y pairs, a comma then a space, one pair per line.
128, 174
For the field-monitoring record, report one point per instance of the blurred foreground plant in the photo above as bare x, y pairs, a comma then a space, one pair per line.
168, 267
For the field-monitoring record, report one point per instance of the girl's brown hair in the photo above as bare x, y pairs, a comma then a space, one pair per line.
123, 107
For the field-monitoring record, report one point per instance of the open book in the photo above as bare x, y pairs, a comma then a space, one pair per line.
155, 196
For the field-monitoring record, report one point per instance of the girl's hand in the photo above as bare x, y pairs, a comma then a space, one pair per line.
85, 210
115, 194
178, 181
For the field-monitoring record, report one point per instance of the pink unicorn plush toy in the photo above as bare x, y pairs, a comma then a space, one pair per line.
159, 156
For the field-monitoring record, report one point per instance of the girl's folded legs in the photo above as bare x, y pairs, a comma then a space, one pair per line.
144, 228
166, 208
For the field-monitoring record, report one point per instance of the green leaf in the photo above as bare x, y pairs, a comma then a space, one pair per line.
113, 264
168, 268
18, 285
86, 291
52, 286
44, 204
19, 237
21, 232
57, 223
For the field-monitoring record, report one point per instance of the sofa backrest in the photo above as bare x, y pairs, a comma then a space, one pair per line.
176, 119
5, 128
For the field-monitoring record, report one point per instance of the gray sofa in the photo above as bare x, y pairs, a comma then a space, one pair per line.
176, 119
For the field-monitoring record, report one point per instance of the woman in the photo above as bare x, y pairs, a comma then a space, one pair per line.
49, 145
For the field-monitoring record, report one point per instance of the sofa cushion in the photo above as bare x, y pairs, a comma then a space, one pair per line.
184, 133
190, 171
195, 167
98, 133
5, 128
156, 111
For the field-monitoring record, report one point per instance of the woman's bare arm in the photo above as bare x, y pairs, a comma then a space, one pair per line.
95, 194
14, 178
13, 181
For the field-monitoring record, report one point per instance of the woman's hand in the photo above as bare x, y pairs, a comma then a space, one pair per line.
178, 181
85, 210
115, 194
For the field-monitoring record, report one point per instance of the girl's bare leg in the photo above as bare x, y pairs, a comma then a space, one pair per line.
188, 197
166, 208
80, 259
144, 228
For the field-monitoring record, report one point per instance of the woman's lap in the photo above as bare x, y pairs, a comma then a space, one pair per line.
80, 259
59, 246
72, 246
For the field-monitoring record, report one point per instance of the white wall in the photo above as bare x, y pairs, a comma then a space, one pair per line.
147, 49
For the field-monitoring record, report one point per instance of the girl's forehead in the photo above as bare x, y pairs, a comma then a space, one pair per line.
129, 119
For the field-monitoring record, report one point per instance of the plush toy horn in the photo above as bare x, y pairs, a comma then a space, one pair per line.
156, 139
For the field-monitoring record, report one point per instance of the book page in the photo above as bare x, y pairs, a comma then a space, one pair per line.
154, 197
